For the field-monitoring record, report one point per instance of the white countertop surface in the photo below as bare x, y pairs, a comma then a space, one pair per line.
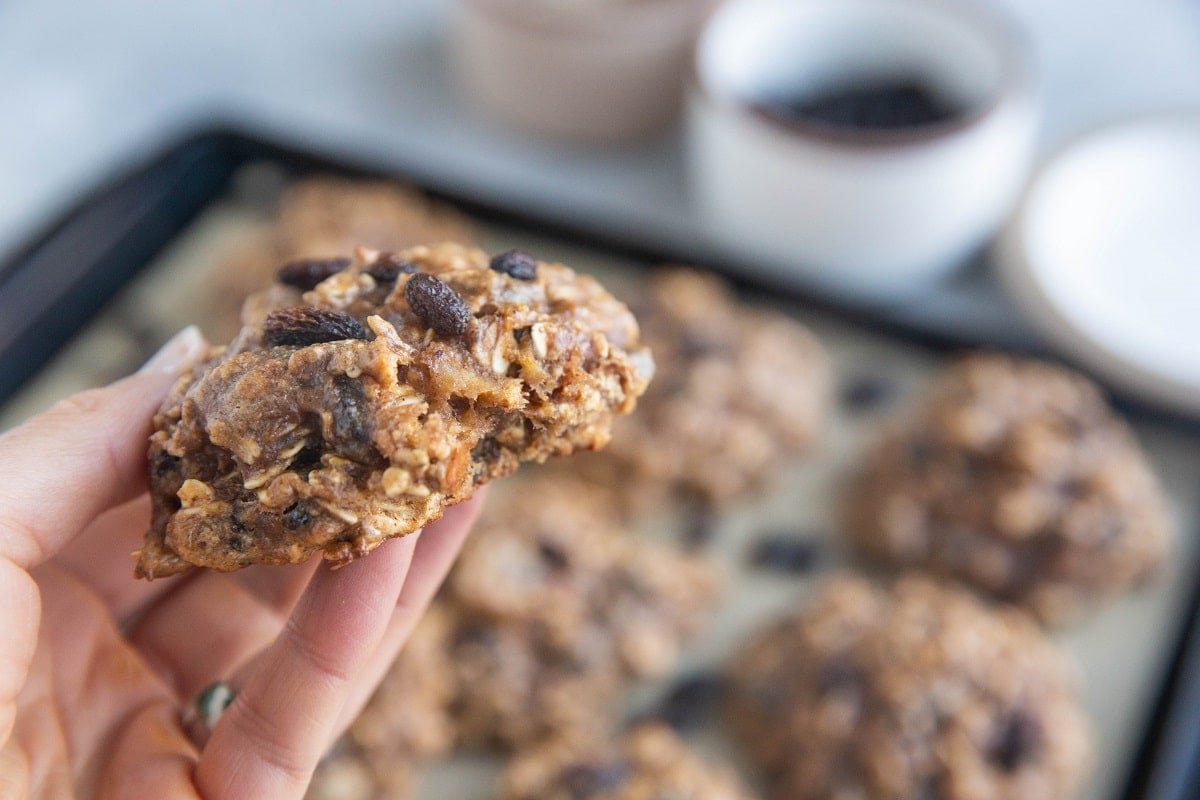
89, 86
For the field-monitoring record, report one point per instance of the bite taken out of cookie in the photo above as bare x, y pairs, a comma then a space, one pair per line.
364, 396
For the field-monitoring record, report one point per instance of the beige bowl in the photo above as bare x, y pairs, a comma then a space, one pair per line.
588, 71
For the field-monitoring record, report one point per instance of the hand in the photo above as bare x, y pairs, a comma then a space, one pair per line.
97, 670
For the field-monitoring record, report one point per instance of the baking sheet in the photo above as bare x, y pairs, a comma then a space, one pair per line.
1123, 651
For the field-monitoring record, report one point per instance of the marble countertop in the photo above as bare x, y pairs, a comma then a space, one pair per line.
91, 86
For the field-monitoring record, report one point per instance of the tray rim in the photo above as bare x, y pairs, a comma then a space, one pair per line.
134, 214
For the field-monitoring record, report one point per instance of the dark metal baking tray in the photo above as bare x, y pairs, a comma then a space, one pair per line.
53, 286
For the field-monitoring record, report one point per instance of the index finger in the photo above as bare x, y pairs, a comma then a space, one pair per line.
269, 740
63, 468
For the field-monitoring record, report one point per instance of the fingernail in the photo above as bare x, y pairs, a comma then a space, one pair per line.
180, 350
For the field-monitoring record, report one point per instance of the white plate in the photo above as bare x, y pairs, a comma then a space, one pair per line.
1104, 256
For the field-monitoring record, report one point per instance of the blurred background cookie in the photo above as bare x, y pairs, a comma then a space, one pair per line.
326, 217
647, 763
1015, 476
738, 391
552, 552
918, 690
552, 613
562, 606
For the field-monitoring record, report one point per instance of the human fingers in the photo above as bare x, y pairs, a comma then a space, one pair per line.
94, 443
241, 613
99, 686
100, 558
85, 454
435, 553
230, 619
39, 738
270, 738
21, 601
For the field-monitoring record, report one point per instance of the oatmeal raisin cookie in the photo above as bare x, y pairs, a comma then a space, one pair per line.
561, 607
647, 763
325, 217
739, 391
551, 553
1016, 477
914, 691
550, 614
359, 409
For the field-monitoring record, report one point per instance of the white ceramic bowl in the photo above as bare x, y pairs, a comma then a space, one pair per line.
865, 213
585, 71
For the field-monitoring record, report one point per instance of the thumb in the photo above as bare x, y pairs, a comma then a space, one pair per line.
62, 468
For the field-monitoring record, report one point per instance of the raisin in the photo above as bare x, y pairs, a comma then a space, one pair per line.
297, 515
695, 345
441, 308
308, 459
1073, 487
553, 555
517, 264
351, 422
302, 326
476, 635
868, 393
306, 273
839, 677
700, 530
390, 266
786, 552
932, 789
165, 464
921, 451
488, 450
1017, 740
242, 509
692, 701
585, 779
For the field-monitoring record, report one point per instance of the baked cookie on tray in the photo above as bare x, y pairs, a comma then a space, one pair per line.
647, 763
1014, 476
551, 613
512, 687
918, 690
551, 553
561, 608
326, 217
739, 391
366, 395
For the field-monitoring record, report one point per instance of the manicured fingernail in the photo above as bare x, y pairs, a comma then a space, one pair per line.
180, 350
